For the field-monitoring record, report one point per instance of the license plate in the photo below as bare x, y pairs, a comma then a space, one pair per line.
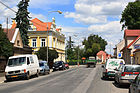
14, 76
126, 75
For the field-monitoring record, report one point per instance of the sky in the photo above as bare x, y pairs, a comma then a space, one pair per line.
80, 18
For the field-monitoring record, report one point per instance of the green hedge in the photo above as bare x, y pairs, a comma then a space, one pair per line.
74, 62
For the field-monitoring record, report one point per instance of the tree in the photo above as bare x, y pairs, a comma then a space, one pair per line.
131, 16
22, 20
93, 44
69, 47
6, 48
52, 54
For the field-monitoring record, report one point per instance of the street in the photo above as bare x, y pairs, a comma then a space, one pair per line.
74, 80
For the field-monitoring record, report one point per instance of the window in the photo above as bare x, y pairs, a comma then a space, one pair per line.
43, 42
31, 60
18, 43
34, 42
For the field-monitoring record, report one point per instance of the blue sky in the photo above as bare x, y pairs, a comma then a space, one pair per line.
80, 17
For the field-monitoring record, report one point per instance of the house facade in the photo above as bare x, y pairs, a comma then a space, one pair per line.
13, 34
131, 38
118, 48
42, 34
102, 56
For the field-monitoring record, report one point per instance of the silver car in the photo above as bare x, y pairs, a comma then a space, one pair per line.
126, 72
135, 85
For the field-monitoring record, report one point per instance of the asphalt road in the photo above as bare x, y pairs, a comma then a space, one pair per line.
75, 80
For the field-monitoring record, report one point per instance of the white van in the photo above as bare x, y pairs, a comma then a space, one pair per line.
110, 66
22, 66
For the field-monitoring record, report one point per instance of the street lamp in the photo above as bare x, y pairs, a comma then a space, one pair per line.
48, 29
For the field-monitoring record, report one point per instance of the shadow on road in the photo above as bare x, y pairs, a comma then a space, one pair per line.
125, 86
107, 79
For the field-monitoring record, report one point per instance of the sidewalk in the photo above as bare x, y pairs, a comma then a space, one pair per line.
2, 78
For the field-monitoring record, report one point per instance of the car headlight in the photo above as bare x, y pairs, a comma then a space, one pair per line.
23, 71
53, 67
60, 66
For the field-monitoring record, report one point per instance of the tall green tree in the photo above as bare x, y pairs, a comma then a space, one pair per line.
52, 54
131, 16
93, 44
22, 20
6, 48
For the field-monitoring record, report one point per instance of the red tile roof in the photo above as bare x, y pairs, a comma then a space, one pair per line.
131, 32
102, 53
133, 41
10, 33
41, 26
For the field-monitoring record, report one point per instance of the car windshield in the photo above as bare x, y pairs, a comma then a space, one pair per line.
58, 62
16, 61
132, 69
41, 64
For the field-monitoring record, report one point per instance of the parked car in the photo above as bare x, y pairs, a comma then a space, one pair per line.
58, 65
66, 65
109, 66
135, 85
44, 68
125, 73
22, 66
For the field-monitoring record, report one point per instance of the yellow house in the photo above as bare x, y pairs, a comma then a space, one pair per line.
40, 31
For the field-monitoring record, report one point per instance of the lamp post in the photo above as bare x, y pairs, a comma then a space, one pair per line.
48, 29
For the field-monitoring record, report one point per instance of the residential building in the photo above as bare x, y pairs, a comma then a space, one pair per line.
118, 48
131, 38
102, 56
41, 32
13, 34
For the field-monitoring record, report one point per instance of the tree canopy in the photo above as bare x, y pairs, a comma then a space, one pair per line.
131, 16
6, 48
22, 20
93, 44
52, 54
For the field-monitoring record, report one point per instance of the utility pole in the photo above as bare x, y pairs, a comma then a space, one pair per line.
7, 25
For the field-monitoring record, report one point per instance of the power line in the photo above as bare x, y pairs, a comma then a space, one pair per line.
8, 7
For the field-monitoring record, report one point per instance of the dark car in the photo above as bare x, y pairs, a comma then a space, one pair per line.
58, 65
135, 85
66, 65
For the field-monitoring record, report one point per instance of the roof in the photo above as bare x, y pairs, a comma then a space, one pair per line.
133, 41
131, 32
10, 33
102, 53
41, 26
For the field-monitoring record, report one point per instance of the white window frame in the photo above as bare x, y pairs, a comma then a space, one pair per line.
34, 43
42, 43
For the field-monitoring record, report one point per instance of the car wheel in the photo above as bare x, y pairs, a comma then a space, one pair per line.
27, 76
37, 74
8, 79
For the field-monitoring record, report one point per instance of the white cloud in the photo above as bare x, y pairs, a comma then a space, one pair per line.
110, 27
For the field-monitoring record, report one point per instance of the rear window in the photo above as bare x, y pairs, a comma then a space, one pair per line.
131, 69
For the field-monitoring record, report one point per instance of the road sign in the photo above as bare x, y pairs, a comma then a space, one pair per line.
137, 46
119, 55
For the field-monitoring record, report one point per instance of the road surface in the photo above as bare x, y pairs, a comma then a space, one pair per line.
75, 80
